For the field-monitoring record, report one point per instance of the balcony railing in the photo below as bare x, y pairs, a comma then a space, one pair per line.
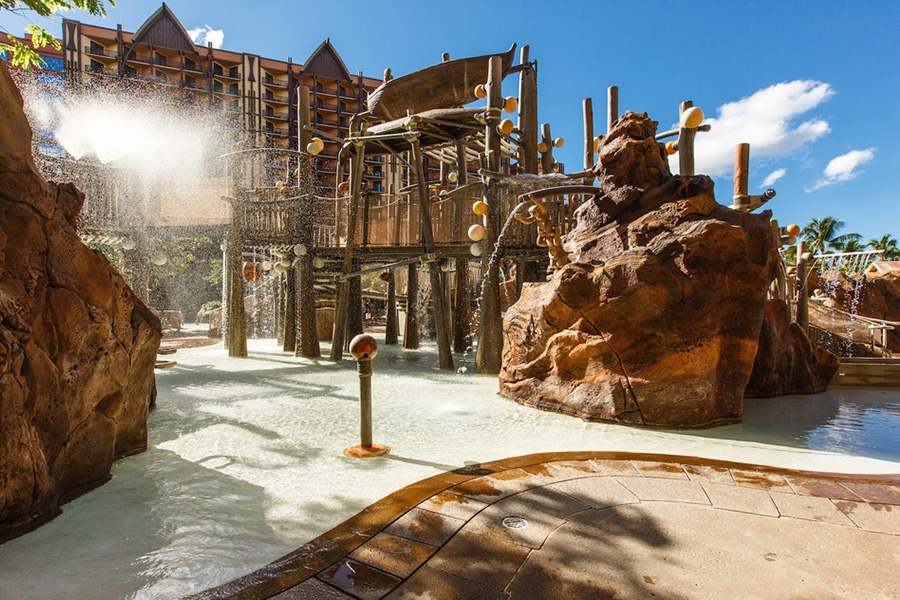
99, 51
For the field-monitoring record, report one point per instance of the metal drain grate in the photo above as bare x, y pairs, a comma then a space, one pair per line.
514, 522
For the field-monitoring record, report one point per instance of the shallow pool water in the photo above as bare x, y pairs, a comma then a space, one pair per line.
245, 462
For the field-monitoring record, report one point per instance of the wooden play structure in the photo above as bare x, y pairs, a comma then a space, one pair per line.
458, 174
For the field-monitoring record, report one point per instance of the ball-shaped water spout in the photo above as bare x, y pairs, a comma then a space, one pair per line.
363, 347
692, 118
476, 232
129, 244
476, 249
159, 258
510, 104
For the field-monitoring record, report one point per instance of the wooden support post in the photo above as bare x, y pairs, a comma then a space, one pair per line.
741, 177
303, 136
307, 344
342, 300
802, 292
438, 296
528, 116
588, 106
612, 106
520, 277
490, 328
390, 328
289, 323
411, 336
279, 309
354, 309
237, 326
547, 155
462, 318
686, 145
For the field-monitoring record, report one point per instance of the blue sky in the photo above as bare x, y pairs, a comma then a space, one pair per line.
812, 85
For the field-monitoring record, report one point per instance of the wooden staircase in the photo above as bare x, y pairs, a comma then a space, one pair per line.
873, 373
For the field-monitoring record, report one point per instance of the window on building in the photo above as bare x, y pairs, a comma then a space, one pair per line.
342, 105
343, 122
190, 82
190, 65
233, 72
96, 67
95, 48
233, 89
161, 77
269, 127
218, 70
217, 86
159, 59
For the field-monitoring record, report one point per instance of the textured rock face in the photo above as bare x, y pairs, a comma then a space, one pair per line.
656, 320
786, 361
77, 348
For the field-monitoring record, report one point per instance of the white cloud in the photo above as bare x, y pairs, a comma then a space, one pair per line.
843, 168
766, 120
773, 177
206, 34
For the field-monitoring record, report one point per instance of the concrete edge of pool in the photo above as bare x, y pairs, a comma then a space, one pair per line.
490, 482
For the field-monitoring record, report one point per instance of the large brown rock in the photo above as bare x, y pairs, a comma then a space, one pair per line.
77, 348
656, 320
786, 361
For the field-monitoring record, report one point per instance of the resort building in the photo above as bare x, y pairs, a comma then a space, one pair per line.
257, 95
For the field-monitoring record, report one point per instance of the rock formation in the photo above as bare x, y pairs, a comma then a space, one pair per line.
786, 361
77, 348
657, 318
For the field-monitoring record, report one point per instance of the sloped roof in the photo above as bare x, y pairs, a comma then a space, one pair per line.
884, 266
326, 61
163, 29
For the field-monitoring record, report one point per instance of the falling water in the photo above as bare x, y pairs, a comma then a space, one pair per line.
493, 258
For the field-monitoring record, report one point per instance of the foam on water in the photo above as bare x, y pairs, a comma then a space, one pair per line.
245, 463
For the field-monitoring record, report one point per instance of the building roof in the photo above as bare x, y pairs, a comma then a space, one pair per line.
327, 62
164, 29
884, 266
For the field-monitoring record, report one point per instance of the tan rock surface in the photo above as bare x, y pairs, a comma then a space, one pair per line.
77, 348
656, 321
786, 361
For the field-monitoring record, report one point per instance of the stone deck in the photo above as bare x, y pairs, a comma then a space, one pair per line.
603, 525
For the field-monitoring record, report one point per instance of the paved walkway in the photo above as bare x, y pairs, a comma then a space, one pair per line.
604, 525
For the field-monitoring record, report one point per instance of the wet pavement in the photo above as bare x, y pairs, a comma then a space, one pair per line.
605, 525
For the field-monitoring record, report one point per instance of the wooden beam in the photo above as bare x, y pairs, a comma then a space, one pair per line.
547, 155
528, 115
411, 333
612, 107
441, 319
588, 107
685, 144
390, 328
490, 329
741, 177
343, 291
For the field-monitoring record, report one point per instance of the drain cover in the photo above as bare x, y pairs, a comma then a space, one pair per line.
514, 522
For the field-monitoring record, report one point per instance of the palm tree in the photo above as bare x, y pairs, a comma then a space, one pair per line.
822, 233
849, 242
888, 246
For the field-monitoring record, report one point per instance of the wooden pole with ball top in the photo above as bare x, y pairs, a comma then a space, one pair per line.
364, 348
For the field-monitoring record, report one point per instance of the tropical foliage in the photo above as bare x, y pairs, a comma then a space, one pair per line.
25, 56
888, 245
824, 235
